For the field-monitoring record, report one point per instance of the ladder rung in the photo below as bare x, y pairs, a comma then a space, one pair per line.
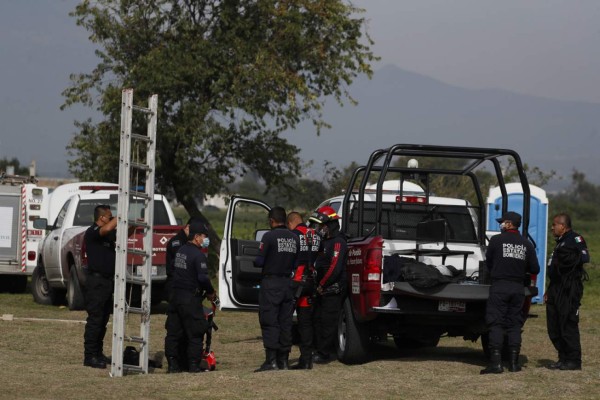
143, 138
142, 109
140, 194
136, 310
140, 166
138, 281
141, 224
133, 368
135, 252
135, 339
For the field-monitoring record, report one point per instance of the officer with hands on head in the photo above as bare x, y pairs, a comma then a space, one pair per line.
304, 286
185, 315
277, 257
331, 281
100, 241
509, 258
564, 293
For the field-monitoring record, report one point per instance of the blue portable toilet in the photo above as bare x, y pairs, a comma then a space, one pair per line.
538, 222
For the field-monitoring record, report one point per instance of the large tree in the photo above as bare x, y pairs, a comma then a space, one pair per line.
231, 75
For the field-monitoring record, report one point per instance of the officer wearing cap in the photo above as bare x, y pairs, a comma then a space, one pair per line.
277, 257
185, 315
563, 297
508, 258
173, 246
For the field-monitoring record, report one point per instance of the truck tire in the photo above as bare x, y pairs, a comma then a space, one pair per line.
41, 290
353, 338
75, 299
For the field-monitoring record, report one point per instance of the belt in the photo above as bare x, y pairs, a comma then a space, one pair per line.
277, 275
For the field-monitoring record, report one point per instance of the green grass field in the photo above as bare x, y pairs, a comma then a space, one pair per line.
41, 353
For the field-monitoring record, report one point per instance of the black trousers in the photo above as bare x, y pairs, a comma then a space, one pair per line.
326, 314
98, 294
562, 319
304, 314
504, 314
185, 320
275, 309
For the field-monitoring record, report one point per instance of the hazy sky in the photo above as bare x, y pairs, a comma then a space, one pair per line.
547, 48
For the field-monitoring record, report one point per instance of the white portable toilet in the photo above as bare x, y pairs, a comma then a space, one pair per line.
538, 222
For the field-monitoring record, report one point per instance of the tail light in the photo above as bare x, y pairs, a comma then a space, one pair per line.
31, 255
373, 266
411, 199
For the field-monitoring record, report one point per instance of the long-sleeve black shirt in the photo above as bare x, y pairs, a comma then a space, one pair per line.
190, 270
331, 262
278, 252
510, 256
570, 240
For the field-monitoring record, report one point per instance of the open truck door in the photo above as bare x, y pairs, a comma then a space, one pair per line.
239, 280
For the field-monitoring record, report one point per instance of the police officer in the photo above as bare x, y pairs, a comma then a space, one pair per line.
277, 256
173, 246
185, 315
563, 297
508, 258
331, 281
304, 286
100, 241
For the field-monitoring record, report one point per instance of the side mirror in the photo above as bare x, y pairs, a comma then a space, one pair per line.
40, 223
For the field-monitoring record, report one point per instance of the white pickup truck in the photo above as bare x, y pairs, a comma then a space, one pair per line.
62, 259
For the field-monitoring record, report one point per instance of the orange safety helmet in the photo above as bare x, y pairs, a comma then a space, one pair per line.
324, 215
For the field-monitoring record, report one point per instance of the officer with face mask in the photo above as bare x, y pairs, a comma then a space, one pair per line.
508, 258
185, 316
331, 282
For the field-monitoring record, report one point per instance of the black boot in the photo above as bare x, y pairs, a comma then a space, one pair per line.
173, 367
495, 364
304, 363
282, 359
513, 362
270, 363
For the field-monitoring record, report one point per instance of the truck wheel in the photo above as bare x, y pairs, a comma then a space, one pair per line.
353, 339
42, 292
75, 298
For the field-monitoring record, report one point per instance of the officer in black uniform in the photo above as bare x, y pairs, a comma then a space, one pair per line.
100, 241
331, 282
185, 315
173, 246
304, 286
563, 297
277, 256
508, 258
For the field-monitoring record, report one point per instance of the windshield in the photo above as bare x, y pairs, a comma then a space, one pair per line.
85, 211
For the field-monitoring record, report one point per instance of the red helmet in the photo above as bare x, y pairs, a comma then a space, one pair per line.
323, 215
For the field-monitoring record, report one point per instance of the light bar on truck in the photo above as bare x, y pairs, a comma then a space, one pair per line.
94, 188
411, 199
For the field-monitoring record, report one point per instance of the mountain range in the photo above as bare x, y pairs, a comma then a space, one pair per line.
399, 106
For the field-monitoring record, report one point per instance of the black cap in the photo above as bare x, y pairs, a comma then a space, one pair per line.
511, 216
197, 228
194, 220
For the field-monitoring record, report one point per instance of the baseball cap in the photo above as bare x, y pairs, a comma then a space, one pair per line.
197, 228
512, 216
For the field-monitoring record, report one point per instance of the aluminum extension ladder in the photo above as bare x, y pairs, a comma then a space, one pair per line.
136, 183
